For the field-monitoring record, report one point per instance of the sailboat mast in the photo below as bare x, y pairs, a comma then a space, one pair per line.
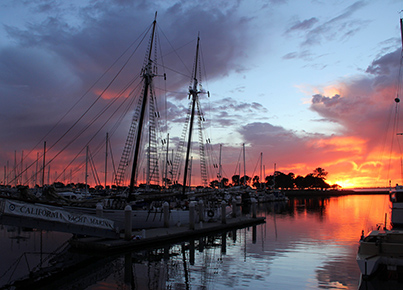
401, 30
220, 167
43, 164
147, 76
261, 169
192, 91
86, 170
166, 162
274, 177
106, 158
244, 165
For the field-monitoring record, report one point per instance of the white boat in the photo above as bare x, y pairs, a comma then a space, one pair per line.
380, 249
396, 198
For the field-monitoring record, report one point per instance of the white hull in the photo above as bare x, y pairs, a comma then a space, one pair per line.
144, 219
368, 264
380, 248
397, 214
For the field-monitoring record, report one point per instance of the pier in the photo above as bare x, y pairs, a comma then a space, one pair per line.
158, 236
94, 233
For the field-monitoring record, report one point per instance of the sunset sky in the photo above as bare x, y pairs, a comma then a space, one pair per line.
307, 83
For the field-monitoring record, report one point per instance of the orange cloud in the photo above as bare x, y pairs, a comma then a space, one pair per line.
340, 143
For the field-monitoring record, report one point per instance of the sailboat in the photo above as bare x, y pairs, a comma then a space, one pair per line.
382, 249
396, 193
149, 216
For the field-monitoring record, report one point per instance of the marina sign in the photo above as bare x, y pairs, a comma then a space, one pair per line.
9, 207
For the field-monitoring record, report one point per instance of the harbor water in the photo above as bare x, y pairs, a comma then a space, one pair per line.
306, 243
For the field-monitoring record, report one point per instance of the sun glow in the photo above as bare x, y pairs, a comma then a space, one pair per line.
346, 183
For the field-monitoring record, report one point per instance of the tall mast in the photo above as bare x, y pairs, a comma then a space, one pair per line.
401, 30
106, 158
166, 162
147, 76
244, 165
43, 164
261, 169
220, 167
194, 92
86, 171
274, 176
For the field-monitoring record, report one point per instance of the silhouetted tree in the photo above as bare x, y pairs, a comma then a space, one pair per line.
284, 181
320, 173
245, 179
299, 182
312, 181
235, 180
214, 184
224, 182
255, 181
269, 180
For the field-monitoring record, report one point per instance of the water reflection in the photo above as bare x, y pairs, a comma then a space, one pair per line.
307, 243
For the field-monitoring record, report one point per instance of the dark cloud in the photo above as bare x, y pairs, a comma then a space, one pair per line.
384, 65
228, 111
302, 54
291, 55
314, 31
303, 25
50, 63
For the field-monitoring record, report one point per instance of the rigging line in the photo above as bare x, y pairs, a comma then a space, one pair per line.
206, 84
254, 169
52, 254
90, 88
175, 50
102, 93
113, 162
165, 82
172, 92
106, 121
236, 168
386, 139
120, 119
94, 170
393, 136
99, 114
398, 86
85, 128
172, 70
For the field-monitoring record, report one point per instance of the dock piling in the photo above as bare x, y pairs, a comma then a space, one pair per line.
254, 207
165, 209
201, 210
234, 209
192, 207
99, 210
128, 222
223, 212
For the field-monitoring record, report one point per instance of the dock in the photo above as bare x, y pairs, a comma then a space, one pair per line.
153, 237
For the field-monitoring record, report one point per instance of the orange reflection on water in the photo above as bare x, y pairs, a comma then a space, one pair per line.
341, 218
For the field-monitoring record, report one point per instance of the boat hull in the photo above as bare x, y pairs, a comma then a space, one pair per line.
380, 248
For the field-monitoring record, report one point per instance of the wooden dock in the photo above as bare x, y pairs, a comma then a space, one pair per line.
152, 237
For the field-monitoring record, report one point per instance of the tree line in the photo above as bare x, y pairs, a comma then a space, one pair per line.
314, 180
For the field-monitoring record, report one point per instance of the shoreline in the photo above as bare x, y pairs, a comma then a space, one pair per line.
291, 193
